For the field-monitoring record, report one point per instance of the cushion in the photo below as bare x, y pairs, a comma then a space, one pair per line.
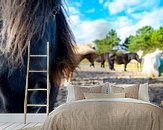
71, 96
107, 87
79, 91
143, 92
103, 95
71, 93
132, 91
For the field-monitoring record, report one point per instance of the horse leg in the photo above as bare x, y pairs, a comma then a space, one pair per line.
92, 64
111, 64
138, 67
125, 66
103, 64
113, 67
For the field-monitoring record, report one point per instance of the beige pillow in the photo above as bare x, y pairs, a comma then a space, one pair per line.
103, 95
79, 91
106, 87
143, 92
132, 91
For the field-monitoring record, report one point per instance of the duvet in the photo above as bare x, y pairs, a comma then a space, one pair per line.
106, 114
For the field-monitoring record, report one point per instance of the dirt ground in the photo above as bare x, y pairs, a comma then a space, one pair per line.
86, 75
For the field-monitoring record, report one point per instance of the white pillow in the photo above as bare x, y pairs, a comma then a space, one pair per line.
118, 85
143, 92
71, 93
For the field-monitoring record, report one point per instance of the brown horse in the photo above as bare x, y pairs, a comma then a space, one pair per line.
122, 59
81, 52
93, 57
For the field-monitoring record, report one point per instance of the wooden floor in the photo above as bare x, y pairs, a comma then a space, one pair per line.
15, 121
17, 126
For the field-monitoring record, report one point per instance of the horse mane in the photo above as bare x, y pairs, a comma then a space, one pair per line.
84, 49
22, 15
66, 62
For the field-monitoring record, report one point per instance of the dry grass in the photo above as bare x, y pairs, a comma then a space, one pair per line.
131, 66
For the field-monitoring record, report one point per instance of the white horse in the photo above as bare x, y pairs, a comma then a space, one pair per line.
152, 63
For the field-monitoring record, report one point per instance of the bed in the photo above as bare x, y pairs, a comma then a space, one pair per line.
92, 109
106, 114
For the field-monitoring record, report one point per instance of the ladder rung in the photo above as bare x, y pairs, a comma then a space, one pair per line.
35, 71
38, 89
36, 105
38, 55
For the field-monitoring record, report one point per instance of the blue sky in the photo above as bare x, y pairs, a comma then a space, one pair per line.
92, 19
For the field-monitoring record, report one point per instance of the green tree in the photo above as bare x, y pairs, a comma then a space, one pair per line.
146, 38
108, 42
157, 38
141, 41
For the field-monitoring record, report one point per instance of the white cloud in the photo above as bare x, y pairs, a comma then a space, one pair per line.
122, 21
78, 4
88, 31
153, 18
101, 1
126, 26
90, 11
74, 19
73, 10
130, 6
120, 5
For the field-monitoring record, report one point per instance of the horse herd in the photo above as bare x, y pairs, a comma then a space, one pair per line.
151, 62
111, 57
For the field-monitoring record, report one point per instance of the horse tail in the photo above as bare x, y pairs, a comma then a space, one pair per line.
65, 62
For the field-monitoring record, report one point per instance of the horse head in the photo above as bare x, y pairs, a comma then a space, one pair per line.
135, 56
84, 49
38, 22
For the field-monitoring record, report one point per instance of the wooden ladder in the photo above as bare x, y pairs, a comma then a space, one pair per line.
39, 89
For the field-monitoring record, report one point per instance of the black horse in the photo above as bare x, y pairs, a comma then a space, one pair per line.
122, 59
100, 58
103, 58
37, 21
